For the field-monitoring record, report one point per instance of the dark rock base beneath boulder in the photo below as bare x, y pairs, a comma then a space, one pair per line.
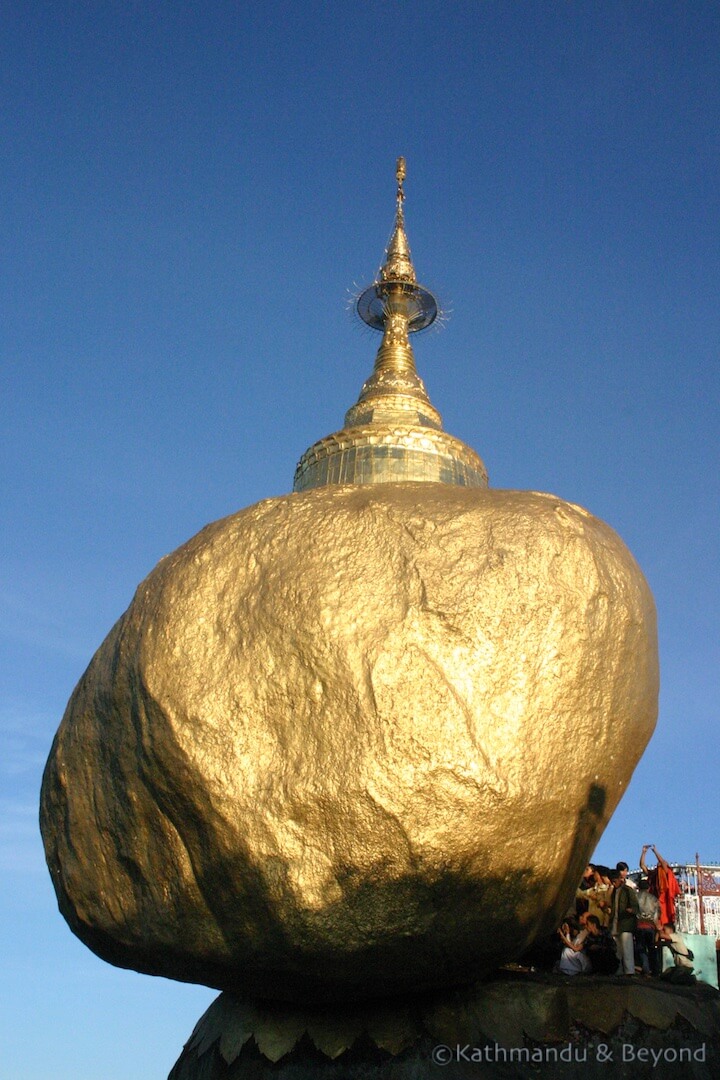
515, 1026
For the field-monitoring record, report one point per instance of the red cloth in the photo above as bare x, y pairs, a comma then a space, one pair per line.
664, 885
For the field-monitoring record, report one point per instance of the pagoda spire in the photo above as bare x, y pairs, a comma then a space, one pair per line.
392, 432
398, 260
397, 306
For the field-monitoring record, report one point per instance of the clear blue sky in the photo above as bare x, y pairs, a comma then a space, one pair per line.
187, 192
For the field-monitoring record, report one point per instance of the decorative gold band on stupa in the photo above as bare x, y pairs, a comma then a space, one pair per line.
393, 432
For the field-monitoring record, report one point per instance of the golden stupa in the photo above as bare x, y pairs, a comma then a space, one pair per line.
393, 433
357, 741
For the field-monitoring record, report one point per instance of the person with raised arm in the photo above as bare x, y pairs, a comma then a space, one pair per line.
663, 883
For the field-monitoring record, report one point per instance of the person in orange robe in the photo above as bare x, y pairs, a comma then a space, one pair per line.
663, 883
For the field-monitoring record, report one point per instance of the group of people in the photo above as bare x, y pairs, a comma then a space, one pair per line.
619, 926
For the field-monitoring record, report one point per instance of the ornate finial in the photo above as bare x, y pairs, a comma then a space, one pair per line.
396, 277
393, 432
400, 173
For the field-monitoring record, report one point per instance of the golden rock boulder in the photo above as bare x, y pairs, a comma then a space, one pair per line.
358, 741
352, 742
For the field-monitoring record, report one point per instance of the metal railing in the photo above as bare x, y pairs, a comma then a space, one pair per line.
697, 908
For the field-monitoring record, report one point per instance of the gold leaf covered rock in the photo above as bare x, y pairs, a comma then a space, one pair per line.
358, 741
353, 742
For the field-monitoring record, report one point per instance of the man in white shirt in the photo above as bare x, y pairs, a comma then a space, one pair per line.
676, 952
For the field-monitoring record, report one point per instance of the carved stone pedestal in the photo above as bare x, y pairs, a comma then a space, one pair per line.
518, 1025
